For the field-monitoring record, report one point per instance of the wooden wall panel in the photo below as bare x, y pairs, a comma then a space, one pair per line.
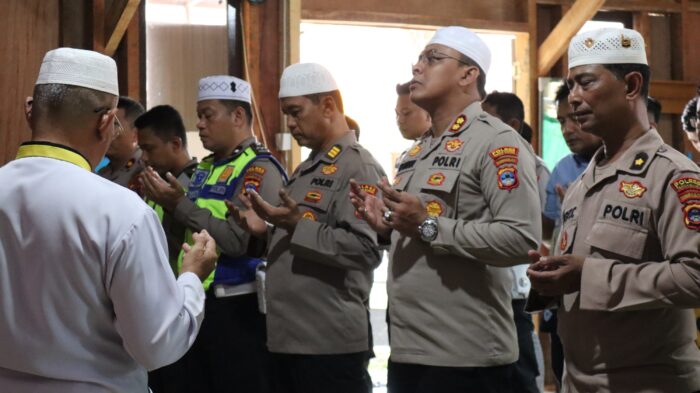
178, 56
28, 29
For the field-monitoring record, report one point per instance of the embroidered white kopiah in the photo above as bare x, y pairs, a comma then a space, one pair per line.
78, 67
465, 42
607, 46
306, 78
223, 87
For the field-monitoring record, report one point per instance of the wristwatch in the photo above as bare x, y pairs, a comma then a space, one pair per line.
428, 229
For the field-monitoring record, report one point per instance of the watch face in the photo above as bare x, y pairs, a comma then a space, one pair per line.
428, 230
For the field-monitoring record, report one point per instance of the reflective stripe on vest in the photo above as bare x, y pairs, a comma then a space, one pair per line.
209, 187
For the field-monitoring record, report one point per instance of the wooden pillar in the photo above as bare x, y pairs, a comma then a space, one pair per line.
533, 66
235, 38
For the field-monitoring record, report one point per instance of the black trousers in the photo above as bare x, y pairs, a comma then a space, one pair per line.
343, 373
229, 354
525, 370
549, 325
417, 378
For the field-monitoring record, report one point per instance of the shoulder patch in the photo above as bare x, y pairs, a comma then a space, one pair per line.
633, 189
508, 178
369, 188
504, 155
688, 191
251, 183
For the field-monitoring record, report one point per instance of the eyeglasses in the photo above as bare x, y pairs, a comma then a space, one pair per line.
432, 56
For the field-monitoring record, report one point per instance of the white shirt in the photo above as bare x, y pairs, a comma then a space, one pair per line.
88, 301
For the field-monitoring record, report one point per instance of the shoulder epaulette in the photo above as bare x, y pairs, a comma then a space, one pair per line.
259, 148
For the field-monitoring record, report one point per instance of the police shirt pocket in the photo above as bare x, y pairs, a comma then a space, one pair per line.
618, 239
439, 179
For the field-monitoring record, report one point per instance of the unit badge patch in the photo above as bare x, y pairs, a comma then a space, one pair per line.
415, 150
313, 196
453, 145
434, 208
436, 179
309, 215
329, 169
692, 215
507, 178
369, 188
225, 174
632, 189
251, 183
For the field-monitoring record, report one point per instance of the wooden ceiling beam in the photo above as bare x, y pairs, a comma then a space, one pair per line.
661, 6
558, 39
120, 14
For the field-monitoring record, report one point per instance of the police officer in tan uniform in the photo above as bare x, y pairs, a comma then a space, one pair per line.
464, 206
230, 353
124, 154
627, 264
321, 254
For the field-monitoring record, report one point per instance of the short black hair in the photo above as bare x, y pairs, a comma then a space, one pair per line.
620, 70
335, 94
165, 122
526, 132
481, 79
508, 106
132, 108
231, 106
403, 89
690, 113
562, 93
654, 107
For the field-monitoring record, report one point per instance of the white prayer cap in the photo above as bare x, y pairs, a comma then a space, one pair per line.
223, 87
306, 78
607, 46
465, 42
78, 67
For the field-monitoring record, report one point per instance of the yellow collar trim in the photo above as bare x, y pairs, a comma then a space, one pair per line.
55, 152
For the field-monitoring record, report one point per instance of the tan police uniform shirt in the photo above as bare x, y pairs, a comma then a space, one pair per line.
175, 230
449, 300
231, 239
636, 220
128, 175
319, 277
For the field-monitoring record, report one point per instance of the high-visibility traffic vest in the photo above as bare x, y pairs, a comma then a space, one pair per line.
211, 184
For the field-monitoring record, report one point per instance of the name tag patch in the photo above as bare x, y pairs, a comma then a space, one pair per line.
624, 213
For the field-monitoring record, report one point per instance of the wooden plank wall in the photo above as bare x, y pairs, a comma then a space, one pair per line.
28, 29
181, 55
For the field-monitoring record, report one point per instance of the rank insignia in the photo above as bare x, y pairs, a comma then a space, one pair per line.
415, 150
633, 189
130, 163
251, 183
329, 169
563, 241
508, 178
255, 170
433, 208
227, 172
309, 215
436, 179
369, 188
334, 151
458, 123
692, 216
639, 160
453, 145
504, 155
313, 196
